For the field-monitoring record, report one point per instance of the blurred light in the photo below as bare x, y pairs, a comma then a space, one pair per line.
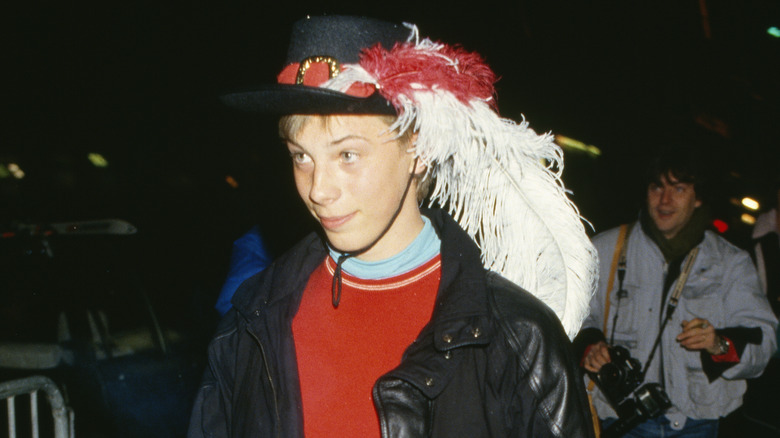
748, 219
721, 226
774, 31
15, 170
4, 172
570, 143
713, 124
97, 160
231, 181
750, 203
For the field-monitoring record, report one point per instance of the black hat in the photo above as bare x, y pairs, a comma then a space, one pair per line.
488, 169
318, 46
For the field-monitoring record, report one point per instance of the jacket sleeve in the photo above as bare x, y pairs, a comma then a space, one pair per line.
212, 407
549, 384
555, 380
208, 417
747, 308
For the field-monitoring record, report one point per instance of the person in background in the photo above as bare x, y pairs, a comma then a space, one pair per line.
248, 257
766, 250
721, 333
760, 410
388, 322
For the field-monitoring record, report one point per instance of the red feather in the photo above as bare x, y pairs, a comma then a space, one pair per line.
450, 68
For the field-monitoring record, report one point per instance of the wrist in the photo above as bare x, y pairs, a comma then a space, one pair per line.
722, 346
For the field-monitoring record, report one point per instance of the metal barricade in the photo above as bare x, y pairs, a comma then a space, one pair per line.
62, 415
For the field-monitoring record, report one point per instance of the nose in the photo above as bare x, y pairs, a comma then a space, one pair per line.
324, 189
666, 195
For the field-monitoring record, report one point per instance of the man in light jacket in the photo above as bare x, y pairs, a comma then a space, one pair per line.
721, 333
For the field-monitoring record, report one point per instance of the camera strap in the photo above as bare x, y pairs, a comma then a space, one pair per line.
687, 266
673, 301
619, 266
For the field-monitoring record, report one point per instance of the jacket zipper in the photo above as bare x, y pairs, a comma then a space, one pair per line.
270, 381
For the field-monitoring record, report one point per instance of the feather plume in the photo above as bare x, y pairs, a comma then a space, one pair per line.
499, 179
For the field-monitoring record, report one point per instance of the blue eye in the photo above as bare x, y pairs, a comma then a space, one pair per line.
299, 157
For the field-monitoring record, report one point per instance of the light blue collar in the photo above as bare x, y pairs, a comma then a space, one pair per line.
423, 248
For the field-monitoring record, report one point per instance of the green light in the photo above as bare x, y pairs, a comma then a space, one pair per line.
97, 160
4, 173
570, 143
774, 31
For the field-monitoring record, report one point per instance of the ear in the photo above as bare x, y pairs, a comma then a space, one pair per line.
418, 167
697, 204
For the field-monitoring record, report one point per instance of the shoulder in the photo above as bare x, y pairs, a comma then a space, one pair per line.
521, 315
606, 240
531, 335
725, 260
716, 246
283, 275
610, 234
765, 224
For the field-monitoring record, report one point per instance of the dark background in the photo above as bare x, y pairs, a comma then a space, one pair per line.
138, 82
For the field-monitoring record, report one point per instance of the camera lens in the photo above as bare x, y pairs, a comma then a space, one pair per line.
652, 400
610, 374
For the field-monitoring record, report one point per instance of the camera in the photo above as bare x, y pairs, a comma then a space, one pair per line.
619, 380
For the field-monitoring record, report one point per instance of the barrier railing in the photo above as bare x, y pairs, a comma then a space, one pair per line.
62, 416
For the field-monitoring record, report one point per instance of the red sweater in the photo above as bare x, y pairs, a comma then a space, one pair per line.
342, 352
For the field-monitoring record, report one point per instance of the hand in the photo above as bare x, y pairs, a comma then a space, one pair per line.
597, 356
699, 334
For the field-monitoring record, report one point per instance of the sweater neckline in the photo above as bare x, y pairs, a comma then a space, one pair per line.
377, 285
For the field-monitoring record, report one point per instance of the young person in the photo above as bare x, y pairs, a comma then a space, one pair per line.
389, 324
715, 334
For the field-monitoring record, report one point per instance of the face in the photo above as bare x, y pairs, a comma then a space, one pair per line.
351, 174
671, 204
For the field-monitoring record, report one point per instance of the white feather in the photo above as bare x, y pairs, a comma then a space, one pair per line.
502, 183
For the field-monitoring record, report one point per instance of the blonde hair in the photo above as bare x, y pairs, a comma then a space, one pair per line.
291, 125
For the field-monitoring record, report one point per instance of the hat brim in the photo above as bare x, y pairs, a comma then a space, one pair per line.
282, 99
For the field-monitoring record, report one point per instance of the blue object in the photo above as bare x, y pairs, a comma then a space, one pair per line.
249, 256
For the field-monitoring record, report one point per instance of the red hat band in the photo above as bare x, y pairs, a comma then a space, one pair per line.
315, 71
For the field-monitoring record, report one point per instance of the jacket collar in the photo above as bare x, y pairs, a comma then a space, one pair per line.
642, 247
287, 275
460, 316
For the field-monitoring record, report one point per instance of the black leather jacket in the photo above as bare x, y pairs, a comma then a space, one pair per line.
492, 362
